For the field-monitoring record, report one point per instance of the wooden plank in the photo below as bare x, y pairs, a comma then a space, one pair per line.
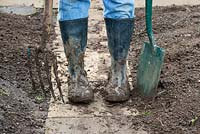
93, 118
95, 125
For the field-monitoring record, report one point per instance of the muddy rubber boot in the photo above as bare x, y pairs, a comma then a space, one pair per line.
74, 36
119, 32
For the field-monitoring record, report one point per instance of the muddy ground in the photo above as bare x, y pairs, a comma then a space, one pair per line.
177, 29
23, 110
175, 110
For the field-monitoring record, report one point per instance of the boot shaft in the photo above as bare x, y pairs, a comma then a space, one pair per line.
119, 32
74, 36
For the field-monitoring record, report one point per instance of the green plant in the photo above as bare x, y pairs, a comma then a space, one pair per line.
39, 98
194, 120
146, 113
3, 92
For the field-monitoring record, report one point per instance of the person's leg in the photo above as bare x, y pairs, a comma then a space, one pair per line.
73, 20
119, 19
119, 9
73, 9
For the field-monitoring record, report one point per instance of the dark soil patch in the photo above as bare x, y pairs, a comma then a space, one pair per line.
177, 29
22, 110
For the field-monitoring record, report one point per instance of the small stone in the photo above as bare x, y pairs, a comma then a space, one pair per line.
188, 35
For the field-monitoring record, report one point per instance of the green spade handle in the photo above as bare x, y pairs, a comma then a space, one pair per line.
149, 22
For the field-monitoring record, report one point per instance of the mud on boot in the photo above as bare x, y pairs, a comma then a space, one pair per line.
119, 33
74, 36
79, 90
118, 88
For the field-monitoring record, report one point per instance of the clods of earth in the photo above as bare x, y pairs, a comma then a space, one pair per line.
23, 110
176, 108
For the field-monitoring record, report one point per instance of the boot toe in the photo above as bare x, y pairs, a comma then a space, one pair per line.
117, 95
81, 96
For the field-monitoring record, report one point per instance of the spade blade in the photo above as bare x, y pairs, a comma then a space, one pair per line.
149, 69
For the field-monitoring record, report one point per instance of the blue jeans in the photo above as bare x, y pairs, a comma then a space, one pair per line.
77, 9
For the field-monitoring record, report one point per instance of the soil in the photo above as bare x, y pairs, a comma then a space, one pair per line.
176, 109
23, 110
177, 30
